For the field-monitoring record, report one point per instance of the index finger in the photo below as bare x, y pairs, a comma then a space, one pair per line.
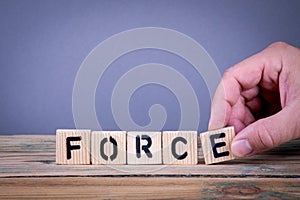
262, 67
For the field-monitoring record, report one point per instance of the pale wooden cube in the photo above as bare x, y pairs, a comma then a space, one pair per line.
144, 148
216, 145
73, 147
180, 147
108, 147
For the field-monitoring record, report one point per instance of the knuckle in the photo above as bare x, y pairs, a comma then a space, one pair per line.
279, 45
265, 138
228, 73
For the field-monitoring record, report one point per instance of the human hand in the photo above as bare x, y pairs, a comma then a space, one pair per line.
260, 97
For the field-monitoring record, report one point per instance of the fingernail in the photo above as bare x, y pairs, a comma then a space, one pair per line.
241, 148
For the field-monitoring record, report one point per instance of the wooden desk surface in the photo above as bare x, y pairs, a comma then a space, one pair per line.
28, 171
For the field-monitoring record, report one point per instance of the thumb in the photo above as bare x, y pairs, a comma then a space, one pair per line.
266, 133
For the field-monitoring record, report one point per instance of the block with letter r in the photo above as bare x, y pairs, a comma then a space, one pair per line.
144, 148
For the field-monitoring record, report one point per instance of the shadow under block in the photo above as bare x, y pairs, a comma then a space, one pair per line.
73, 147
180, 147
144, 148
108, 147
216, 145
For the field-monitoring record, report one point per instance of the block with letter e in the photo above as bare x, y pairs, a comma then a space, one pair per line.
144, 148
180, 147
73, 147
216, 145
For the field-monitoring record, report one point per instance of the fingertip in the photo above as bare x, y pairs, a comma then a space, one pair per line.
211, 127
216, 123
219, 116
241, 148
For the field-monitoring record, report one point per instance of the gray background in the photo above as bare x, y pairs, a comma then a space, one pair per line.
43, 44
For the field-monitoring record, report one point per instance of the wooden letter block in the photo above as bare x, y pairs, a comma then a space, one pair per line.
144, 148
180, 147
216, 145
73, 147
108, 147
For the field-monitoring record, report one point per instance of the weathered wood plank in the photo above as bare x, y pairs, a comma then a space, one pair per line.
149, 188
28, 171
23, 156
27, 143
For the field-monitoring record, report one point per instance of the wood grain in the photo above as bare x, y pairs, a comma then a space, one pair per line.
148, 188
189, 148
28, 171
79, 156
119, 137
34, 155
216, 144
155, 151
